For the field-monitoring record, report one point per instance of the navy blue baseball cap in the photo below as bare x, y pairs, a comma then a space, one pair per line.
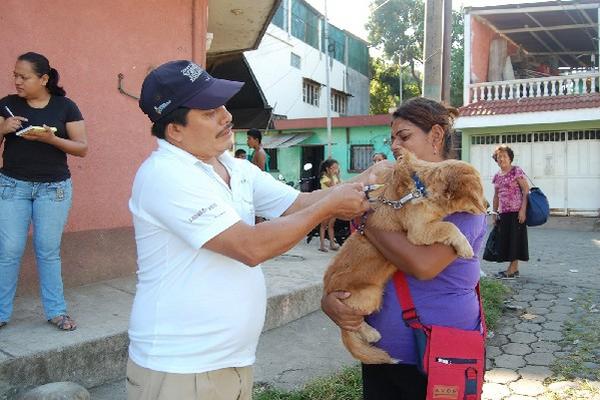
183, 83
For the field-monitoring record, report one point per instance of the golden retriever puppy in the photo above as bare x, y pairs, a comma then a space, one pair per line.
359, 268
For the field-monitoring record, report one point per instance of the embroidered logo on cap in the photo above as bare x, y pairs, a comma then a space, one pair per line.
162, 107
192, 71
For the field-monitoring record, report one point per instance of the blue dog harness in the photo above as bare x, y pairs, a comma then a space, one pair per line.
418, 192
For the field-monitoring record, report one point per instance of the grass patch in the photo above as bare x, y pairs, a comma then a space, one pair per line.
347, 385
493, 293
581, 339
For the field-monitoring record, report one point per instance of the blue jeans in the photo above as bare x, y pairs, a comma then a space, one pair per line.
47, 206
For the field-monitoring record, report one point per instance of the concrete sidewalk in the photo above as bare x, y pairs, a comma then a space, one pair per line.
33, 352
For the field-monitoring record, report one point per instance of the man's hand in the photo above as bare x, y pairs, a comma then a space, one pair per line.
347, 200
343, 316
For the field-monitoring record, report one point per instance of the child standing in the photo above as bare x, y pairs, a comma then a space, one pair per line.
329, 176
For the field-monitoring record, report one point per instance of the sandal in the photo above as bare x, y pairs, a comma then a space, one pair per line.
3, 324
63, 323
505, 275
324, 250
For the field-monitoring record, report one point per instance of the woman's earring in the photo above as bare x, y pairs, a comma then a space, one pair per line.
435, 150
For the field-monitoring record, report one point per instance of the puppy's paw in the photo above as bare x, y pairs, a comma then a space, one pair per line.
462, 247
370, 334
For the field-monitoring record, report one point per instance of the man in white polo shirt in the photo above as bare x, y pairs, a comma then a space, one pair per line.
200, 302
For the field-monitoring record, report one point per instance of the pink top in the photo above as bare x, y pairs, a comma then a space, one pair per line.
509, 192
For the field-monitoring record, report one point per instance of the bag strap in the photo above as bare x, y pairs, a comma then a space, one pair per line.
532, 183
409, 312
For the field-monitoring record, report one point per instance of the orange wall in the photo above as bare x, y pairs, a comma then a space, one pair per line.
90, 43
481, 39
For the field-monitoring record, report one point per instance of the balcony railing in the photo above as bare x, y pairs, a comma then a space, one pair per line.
551, 86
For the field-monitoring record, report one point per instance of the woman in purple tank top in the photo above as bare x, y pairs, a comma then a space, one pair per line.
442, 285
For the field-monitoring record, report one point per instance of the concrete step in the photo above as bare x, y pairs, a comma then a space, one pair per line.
33, 352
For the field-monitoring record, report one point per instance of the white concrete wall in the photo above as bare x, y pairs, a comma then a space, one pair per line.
282, 83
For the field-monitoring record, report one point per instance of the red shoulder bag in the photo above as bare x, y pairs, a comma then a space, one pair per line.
453, 359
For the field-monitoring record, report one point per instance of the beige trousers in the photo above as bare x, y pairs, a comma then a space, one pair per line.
222, 384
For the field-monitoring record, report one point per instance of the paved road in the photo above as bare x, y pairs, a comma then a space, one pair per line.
558, 287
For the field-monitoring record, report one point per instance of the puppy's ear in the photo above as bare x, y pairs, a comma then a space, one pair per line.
464, 188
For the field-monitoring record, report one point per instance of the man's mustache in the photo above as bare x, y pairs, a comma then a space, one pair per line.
224, 130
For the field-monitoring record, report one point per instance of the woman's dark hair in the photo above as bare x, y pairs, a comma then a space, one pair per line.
505, 149
326, 164
41, 66
177, 116
426, 113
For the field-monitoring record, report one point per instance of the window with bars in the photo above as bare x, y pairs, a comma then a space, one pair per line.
311, 91
338, 102
360, 157
552, 136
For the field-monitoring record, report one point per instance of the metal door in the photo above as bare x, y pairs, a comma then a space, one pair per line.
565, 165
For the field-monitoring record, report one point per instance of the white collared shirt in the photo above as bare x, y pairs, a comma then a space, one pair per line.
196, 310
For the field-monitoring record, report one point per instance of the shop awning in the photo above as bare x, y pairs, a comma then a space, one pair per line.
249, 107
285, 140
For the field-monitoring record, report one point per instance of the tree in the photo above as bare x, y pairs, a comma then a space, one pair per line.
385, 86
397, 26
457, 59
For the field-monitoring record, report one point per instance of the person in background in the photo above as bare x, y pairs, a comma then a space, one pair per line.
510, 206
379, 157
241, 153
200, 300
442, 285
35, 182
329, 173
259, 156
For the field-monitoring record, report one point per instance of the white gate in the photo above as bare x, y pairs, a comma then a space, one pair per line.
565, 165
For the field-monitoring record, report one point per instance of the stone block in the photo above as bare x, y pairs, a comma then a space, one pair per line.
527, 387
501, 375
535, 373
57, 391
544, 359
517, 349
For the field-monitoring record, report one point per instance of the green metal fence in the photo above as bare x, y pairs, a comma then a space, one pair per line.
305, 24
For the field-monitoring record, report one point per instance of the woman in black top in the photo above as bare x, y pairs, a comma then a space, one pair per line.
35, 181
